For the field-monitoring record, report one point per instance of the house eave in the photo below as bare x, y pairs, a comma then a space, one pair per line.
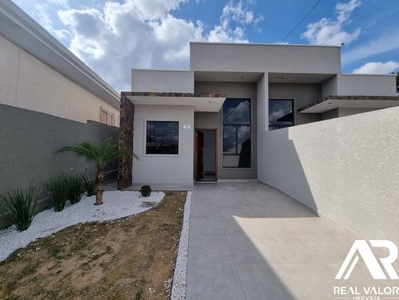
332, 102
204, 102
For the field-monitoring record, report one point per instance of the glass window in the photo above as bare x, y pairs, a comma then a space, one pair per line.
236, 133
107, 117
162, 137
280, 114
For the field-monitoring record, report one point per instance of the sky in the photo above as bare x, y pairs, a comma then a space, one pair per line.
114, 36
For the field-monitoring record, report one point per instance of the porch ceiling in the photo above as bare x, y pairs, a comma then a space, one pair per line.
332, 102
227, 76
201, 102
255, 76
298, 78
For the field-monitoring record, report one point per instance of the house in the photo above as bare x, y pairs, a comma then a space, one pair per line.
38, 73
208, 123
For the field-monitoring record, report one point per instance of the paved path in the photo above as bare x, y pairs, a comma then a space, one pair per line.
248, 241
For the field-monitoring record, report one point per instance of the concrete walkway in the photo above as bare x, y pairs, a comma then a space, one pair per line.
248, 241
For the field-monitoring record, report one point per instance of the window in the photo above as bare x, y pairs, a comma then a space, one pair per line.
107, 117
162, 137
280, 114
236, 133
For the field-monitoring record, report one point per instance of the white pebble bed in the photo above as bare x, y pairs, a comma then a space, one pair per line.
117, 204
180, 277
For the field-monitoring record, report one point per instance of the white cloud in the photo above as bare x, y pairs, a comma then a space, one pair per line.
377, 68
113, 37
388, 41
234, 19
239, 14
42, 17
331, 32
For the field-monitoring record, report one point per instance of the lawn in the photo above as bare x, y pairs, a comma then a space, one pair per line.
130, 258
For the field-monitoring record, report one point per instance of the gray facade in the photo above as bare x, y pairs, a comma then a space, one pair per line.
286, 85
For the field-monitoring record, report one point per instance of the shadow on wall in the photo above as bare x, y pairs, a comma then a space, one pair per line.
281, 168
28, 143
345, 168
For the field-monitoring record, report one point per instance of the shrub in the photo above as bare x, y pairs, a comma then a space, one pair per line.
75, 188
145, 191
89, 186
59, 192
20, 207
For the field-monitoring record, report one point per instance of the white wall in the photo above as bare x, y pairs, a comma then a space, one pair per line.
346, 168
370, 85
28, 83
164, 169
158, 81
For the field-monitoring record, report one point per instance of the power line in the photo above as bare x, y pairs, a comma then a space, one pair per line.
303, 19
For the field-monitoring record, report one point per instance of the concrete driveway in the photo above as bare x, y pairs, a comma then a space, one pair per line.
248, 241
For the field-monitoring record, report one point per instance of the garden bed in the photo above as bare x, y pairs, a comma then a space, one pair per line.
129, 258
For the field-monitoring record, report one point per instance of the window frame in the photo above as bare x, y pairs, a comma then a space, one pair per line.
146, 123
107, 113
293, 113
236, 126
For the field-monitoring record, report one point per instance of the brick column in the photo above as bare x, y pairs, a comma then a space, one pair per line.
126, 132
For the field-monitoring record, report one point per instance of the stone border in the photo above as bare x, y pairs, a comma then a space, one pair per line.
179, 286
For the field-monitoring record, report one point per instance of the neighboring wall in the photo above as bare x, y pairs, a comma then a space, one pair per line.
346, 168
164, 169
26, 82
29, 140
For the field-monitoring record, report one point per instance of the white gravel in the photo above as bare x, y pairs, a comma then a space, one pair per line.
117, 204
180, 277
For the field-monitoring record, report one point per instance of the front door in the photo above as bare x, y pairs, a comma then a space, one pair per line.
200, 155
206, 155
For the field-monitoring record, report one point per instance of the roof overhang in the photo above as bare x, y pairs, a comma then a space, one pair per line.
221, 76
332, 102
200, 102
306, 78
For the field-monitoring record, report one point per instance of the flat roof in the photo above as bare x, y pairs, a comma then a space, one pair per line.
202, 102
332, 102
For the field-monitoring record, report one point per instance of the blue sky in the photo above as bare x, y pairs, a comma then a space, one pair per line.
116, 35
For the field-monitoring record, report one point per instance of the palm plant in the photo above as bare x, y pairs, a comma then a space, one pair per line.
101, 156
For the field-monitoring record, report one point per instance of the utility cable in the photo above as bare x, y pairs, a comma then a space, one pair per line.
303, 19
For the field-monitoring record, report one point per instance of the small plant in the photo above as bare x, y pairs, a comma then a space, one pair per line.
145, 191
59, 192
21, 207
75, 188
89, 186
101, 155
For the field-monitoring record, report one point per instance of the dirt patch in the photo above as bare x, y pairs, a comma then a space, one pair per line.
131, 258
